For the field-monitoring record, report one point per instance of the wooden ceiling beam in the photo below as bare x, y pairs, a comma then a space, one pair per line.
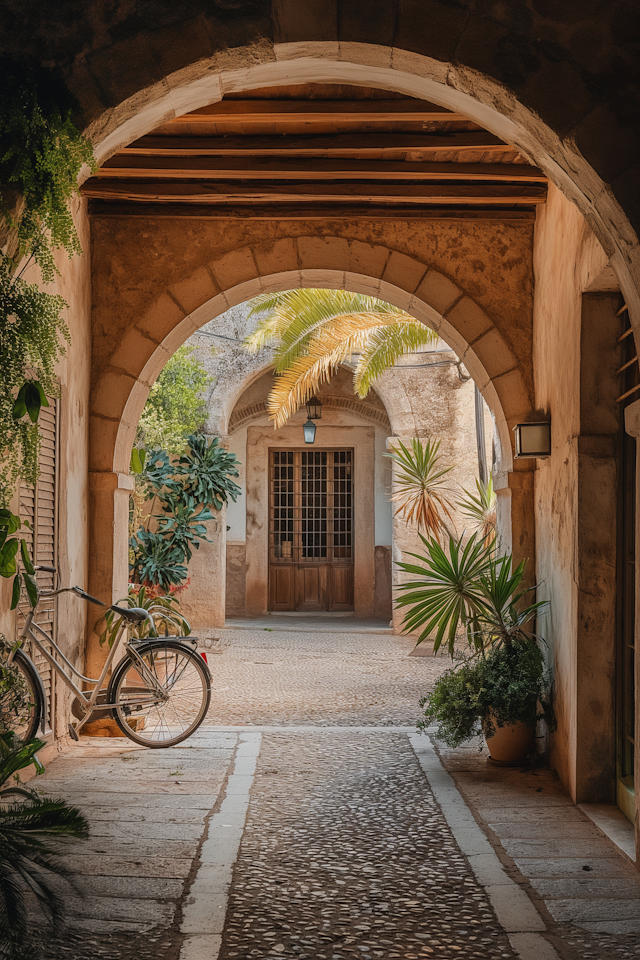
312, 144
308, 193
193, 211
184, 168
320, 111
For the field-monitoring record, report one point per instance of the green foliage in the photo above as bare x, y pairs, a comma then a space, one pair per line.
41, 154
503, 686
467, 588
174, 408
15, 696
204, 472
314, 331
32, 336
164, 610
481, 510
420, 486
185, 489
9, 545
31, 830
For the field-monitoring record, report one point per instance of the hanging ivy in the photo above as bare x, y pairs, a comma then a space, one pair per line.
41, 155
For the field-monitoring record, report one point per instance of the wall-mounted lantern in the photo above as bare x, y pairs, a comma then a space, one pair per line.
533, 439
314, 412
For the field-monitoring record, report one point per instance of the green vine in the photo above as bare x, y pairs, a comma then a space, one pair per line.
41, 155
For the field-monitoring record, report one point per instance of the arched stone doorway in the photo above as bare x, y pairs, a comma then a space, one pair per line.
120, 391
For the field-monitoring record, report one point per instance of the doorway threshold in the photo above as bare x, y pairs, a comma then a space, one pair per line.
310, 622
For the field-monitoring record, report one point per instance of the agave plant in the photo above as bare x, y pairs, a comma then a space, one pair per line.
480, 510
313, 332
31, 828
164, 610
466, 588
420, 486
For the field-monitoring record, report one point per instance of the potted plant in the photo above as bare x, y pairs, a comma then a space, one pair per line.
500, 686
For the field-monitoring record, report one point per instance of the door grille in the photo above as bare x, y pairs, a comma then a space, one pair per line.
311, 506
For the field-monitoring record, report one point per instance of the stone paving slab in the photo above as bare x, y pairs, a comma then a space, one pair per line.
147, 814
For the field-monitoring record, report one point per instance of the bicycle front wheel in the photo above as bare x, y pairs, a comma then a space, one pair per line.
164, 701
21, 707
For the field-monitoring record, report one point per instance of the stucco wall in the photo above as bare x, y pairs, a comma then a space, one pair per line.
574, 383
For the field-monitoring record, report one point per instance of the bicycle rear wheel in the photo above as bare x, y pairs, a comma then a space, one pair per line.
167, 711
22, 708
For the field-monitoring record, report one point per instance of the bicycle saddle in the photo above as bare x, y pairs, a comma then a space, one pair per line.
132, 614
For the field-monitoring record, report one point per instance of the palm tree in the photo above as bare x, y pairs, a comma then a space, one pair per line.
313, 332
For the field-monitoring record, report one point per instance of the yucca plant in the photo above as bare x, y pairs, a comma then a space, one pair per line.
31, 828
466, 588
314, 331
164, 610
481, 510
420, 486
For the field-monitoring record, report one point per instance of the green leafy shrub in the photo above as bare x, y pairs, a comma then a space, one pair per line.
184, 490
164, 610
504, 686
174, 407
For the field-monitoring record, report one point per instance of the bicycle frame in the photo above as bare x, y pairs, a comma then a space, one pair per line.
30, 631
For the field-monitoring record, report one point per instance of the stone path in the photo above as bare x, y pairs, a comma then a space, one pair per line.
356, 842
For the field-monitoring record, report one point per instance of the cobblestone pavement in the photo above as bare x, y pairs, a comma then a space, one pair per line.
346, 854
356, 679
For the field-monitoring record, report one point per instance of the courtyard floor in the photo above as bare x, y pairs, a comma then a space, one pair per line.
308, 819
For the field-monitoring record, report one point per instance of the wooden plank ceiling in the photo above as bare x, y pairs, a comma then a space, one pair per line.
318, 151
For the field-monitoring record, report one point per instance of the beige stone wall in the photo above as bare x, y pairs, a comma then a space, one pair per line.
575, 489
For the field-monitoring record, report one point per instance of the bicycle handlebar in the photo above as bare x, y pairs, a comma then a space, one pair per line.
46, 568
87, 596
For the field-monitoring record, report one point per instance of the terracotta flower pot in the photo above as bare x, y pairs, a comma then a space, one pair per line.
510, 745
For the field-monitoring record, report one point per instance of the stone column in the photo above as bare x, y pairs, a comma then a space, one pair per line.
632, 426
108, 553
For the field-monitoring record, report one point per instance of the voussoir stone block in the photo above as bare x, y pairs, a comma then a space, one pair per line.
161, 318
494, 353
279, 256
469, 319
323, 253
403, 271
235, 267
133, 352
367, 259
438, 291
195, 290
112, 393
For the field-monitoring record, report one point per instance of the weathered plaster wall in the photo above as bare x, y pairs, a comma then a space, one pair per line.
575, 525
73, 284
176, 265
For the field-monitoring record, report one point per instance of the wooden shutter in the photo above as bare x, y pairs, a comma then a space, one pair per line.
38, 507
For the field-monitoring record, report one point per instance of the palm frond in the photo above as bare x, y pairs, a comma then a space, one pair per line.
420, 486
294, 387
385, 344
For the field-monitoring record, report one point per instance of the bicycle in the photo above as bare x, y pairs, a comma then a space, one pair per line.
158, 694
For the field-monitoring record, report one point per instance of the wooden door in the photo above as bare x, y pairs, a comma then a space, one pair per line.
311, 530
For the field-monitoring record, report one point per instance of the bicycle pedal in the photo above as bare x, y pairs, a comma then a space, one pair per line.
73, 733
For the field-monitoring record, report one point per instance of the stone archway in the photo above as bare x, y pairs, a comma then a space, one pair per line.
121, 382
480, 97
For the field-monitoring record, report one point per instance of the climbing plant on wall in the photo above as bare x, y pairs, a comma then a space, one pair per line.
41, 155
